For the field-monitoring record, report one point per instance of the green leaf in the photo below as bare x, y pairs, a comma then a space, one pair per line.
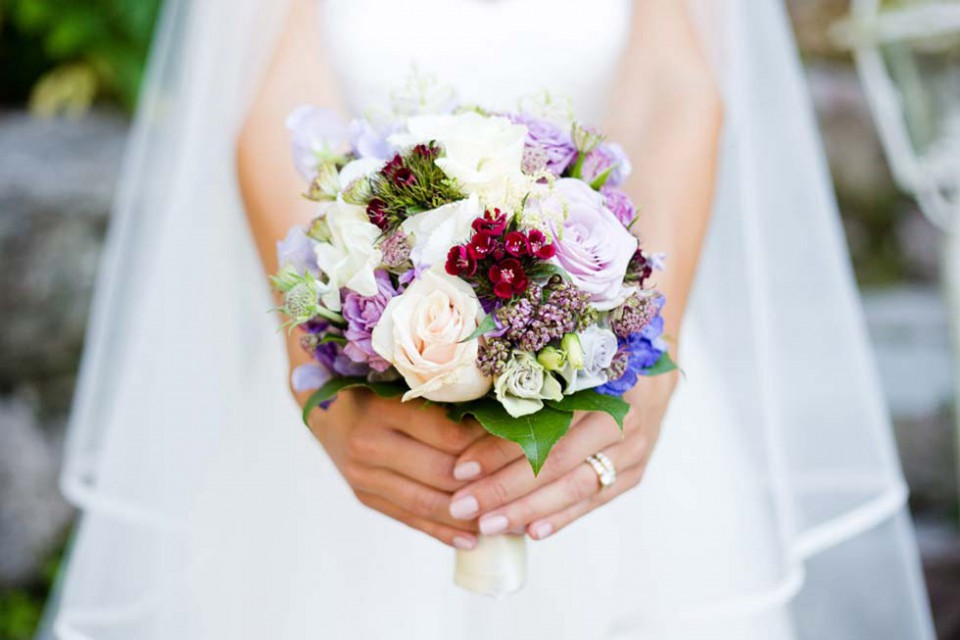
488, 324
332, 337
335, 386
590, 400
536, 433
601, 179
547, 270
664, 365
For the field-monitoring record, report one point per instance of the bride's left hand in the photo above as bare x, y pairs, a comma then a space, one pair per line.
508, 498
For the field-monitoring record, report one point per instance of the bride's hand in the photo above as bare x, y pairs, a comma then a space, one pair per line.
399, 459
510, 498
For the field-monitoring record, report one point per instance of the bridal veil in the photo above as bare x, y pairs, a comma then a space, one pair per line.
182, 357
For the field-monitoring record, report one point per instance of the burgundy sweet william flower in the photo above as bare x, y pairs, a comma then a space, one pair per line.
377, 212
390, 169
460, 263
508, 278
426, 150
539, 245
516, 244
404, 177
482, 244
493, 222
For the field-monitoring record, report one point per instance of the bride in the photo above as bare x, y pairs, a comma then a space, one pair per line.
758, 496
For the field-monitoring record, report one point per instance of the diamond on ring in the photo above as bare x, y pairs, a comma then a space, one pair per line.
603, 466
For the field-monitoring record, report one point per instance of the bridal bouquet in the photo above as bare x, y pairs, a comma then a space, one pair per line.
482, 260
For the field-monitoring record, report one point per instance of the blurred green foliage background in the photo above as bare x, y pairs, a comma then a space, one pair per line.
62, 55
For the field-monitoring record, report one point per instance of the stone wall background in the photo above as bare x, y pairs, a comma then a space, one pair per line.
57, 179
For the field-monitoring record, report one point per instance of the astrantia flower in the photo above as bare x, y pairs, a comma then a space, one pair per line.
508, 278
395, 249
362, 314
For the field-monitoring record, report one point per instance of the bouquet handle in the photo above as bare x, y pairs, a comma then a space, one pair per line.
497, 566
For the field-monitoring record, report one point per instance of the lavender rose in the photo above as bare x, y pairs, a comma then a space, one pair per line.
547, 142
362, 315
593, 247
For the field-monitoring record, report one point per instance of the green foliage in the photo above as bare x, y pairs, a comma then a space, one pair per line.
535, 433
88, 49
330, 390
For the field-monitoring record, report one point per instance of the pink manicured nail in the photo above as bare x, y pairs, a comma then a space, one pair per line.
467, 544
464, 508
466, 470
541, 530
492, 525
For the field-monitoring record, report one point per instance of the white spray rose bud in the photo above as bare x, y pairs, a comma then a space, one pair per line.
525, 384
573, 350
551, 358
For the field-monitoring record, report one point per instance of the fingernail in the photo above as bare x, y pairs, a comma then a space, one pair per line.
541, 530
464, 508
466, 470
492, 525
467, 544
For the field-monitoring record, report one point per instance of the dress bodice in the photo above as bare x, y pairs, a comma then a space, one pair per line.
493, 52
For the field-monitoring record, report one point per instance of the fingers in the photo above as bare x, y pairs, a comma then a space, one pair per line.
576, 486
378, 447
544, 527
485, 456
429, 425
418, 499
451, 536
516, 480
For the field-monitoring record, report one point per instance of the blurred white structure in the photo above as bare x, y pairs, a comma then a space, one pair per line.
908, 56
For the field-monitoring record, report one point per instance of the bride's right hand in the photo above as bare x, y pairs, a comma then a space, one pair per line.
398, 458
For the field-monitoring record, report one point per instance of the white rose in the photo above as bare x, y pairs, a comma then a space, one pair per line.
524, 385
350, 255
599, 346
483, 153
434, 232
420, 333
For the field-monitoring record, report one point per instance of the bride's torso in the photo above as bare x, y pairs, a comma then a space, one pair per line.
493, 52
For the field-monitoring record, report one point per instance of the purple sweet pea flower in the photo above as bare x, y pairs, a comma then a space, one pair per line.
370, 141
331, 356
362, 315
641, 351
619, 203
605, 156
296, 250
315, 132
309, 377
548, 142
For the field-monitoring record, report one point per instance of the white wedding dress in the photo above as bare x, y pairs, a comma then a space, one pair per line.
773, 508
